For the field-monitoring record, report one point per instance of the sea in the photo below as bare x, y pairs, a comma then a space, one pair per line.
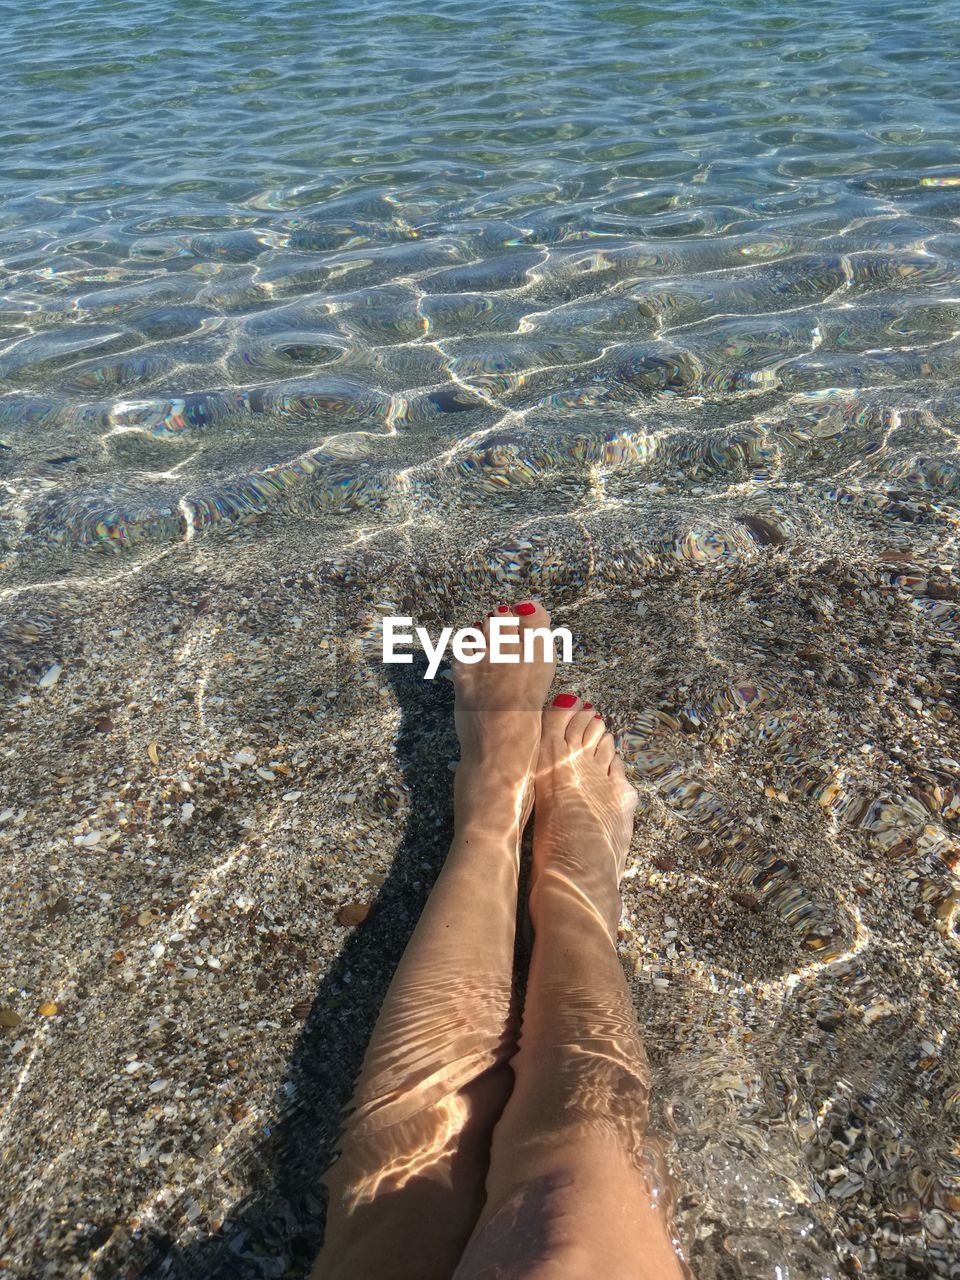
313, 313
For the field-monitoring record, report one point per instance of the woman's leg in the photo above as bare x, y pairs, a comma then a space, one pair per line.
409, 1184
567, 1196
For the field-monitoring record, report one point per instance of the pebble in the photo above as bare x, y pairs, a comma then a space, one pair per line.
9, 1018
48, 1009
353, 913
879, 1009
936, 1225
50, 677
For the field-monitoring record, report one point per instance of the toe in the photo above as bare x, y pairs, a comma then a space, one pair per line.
536, 634
531, 613
559, 713
606, 751
593, 730
577, 726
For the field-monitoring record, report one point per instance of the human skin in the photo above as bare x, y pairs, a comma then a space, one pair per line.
474, 1149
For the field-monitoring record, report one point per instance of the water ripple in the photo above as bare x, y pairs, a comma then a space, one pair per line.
361, 309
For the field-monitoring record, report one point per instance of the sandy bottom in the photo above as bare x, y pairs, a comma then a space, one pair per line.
221, 779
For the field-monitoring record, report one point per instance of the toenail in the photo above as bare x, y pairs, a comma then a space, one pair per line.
598, 717
587, 706
502, 608
526, 608
564, 699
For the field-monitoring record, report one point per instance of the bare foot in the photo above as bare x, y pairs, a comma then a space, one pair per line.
497, 714
585, 810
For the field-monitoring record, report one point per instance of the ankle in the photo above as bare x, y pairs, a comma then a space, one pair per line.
559, 902
507, 736
494, 769
490, 801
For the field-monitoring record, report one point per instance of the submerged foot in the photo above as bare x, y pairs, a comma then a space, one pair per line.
497, 714
584, 810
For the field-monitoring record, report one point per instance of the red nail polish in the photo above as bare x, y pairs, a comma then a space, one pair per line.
564, 699
598, 717
526, 608
587, 706
502, 608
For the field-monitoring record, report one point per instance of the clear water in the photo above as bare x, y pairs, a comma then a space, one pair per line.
651, 310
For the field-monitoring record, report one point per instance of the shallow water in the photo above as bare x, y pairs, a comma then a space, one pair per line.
312, 314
